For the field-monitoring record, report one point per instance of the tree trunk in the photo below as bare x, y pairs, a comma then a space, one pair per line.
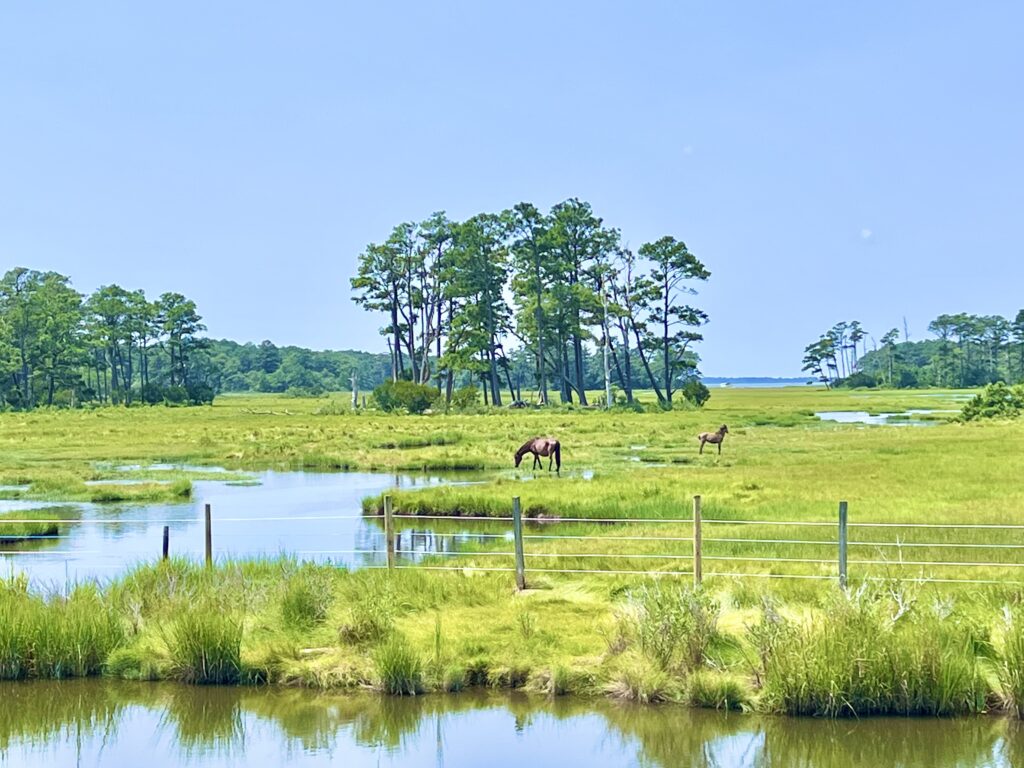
577, 352
647, 365
539, 319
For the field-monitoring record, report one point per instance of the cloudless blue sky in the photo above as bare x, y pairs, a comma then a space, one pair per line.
827, 161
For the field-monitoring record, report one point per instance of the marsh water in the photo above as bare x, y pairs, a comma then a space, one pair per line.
114, 724
912, 417
312, 516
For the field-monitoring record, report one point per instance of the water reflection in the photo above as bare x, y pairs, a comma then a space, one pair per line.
113, 723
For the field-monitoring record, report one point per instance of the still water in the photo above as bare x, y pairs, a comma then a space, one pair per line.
313, 516
115, 724
909, 418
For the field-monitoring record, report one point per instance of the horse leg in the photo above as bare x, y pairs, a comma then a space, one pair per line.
537, 463
719, 447
702, 441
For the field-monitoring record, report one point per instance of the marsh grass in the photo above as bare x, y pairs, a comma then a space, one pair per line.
673, 626
205, 646
873, 653
398, 667
307, 596
55, 637
710, 689
1011, 666
14, 533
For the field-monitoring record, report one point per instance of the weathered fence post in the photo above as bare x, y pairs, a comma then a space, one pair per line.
698, 566
167, 541
209, 537
842, 545
389, 532
517, 533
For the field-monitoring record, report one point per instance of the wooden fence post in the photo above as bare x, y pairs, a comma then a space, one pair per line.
167, 541
517, 533
209, 537
698, 566
842, 545
389, 532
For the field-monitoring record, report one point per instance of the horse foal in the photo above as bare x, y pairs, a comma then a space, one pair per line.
715, 438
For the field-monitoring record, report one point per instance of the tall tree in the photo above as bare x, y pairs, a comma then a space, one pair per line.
181, 325
889, 344
530, 248
578, 243
376, 287
673, 266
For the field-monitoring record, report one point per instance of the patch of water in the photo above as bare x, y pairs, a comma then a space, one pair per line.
313, 516
124, 481
901, 419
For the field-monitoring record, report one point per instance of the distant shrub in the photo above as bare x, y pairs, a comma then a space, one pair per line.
696, 392
466, 398
996, 401
860, 380
399, 395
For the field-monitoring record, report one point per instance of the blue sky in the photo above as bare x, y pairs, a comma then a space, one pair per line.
826, 161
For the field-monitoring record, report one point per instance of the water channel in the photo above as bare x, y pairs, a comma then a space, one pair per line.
313, 516
114, 724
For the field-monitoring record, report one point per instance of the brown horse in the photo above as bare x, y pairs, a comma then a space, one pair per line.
715, 438
542, 446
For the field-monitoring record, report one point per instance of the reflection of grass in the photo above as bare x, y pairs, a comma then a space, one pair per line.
221, 721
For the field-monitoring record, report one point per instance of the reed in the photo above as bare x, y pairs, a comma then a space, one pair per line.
204, 645
398, 667
871, 653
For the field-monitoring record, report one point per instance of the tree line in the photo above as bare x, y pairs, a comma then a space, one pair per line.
59, 347
967, 351
523, 299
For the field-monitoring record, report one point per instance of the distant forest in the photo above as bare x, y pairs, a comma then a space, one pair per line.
967, 351
59, 347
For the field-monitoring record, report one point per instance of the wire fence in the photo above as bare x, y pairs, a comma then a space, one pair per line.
822, 556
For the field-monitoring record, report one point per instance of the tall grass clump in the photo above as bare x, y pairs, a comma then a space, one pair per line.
370, 618
1011, 661
398, 667
205, 646
718, 690
16, 622
872, 653
61, 637
307, 597
73, 636
672, 625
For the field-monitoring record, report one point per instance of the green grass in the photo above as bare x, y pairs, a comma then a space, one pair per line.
938, 649
44, 523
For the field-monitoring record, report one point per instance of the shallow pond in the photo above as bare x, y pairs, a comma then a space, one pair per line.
115, 724
908, 418
314, 516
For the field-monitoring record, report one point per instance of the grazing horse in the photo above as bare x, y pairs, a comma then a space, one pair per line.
715, 438
542, 446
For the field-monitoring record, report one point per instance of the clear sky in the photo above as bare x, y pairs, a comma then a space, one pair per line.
826, 160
